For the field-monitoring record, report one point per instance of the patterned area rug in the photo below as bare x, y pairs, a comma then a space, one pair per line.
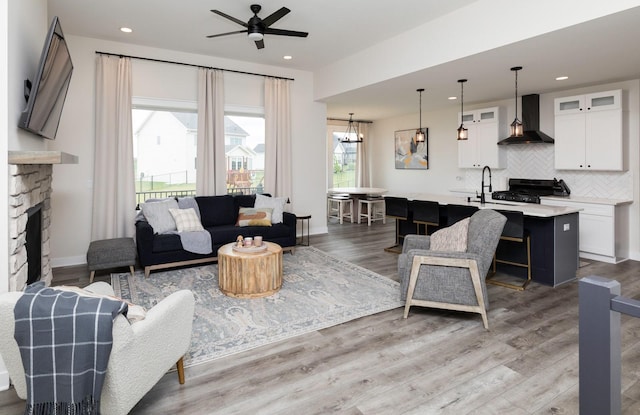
318, 291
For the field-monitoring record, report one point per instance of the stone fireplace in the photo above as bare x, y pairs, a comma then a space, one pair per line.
30, 177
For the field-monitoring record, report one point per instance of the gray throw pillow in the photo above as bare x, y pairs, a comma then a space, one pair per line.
158, 215
275, 203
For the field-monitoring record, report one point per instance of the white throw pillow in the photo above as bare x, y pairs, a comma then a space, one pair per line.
187, 220
452, 238
158, 216
275, 203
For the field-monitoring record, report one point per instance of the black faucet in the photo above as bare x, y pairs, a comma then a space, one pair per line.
482, 186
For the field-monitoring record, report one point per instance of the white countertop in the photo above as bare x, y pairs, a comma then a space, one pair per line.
529, 209
585, 199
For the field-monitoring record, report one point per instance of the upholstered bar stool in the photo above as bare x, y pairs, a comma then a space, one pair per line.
340, 207
456, 213
425, 213
374, 209
398, 209
512, 235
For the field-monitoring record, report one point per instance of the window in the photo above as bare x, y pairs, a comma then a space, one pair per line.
244, 152
165, 144
342, 161
164, 149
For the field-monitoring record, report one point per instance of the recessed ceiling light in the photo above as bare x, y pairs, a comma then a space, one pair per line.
287, 57
452, 98
126, 29
562, 78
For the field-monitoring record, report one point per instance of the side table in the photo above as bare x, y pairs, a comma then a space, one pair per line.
303, 218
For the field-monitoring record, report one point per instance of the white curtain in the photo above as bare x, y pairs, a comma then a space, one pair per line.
363, 177
277, 114
210, 160
114, 195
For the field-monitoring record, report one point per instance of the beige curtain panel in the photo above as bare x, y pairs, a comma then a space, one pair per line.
277, 114
210, 161
114, 195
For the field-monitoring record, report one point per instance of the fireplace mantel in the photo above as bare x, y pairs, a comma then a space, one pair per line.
41, 157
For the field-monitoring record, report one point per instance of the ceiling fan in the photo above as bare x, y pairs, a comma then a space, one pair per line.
257, 27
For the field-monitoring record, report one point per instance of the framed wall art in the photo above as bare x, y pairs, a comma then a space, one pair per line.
408, 153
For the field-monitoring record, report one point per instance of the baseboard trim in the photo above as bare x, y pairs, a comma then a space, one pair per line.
68, 261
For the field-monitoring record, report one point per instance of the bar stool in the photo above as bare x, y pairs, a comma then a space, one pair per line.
397, 208
374, 209
456, 213
426, 213
513, 233
340, 207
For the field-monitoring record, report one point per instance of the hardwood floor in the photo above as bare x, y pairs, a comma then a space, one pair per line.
434, 362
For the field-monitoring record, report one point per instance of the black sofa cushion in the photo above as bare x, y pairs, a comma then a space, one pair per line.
217, 210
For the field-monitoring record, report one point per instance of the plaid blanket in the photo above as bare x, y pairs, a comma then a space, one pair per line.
65, 342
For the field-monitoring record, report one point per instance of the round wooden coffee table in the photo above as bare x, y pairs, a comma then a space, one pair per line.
249, 274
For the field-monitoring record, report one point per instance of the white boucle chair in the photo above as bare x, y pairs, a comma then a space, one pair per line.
141, 354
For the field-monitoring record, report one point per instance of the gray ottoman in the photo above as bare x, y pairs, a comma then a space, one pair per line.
111, 253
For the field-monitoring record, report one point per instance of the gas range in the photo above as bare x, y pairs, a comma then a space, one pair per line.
515, 196
530, 190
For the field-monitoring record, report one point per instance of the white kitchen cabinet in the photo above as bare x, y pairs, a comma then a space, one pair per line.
603, 228
588, 132
481, 148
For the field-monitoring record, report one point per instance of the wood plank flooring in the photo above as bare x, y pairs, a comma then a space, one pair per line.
434, 362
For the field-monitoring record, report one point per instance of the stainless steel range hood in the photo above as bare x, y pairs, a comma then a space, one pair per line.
531, 124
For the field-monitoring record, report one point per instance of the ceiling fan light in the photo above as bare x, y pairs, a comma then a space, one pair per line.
256, 36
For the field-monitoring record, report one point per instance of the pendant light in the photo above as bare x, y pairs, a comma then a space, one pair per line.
420, 136
462, 132
352, 135
516, 126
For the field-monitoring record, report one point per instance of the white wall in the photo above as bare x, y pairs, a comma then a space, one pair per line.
528, 161
442, 40
72, 193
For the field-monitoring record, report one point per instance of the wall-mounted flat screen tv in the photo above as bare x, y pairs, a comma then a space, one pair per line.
49, 88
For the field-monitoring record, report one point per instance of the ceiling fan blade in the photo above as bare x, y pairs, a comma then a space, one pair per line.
275, 16
260, 44
228, 33
282, 32
233, 19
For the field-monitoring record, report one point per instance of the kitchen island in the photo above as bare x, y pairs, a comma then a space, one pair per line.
553, 231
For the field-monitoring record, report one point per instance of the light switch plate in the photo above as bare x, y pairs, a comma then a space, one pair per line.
567, 226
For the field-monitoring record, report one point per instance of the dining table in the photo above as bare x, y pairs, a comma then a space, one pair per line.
358, 191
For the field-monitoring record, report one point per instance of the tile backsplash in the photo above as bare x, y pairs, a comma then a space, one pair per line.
536, 161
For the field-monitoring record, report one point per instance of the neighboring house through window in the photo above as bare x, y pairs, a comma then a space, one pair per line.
165, 144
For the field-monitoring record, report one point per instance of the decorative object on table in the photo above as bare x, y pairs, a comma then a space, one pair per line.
249, 249
352, 135
420, 134
318, 291
462, 133
410, 154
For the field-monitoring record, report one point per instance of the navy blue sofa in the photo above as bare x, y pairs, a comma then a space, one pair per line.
219, 215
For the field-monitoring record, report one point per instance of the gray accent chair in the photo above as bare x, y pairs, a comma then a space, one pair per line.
451, 280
